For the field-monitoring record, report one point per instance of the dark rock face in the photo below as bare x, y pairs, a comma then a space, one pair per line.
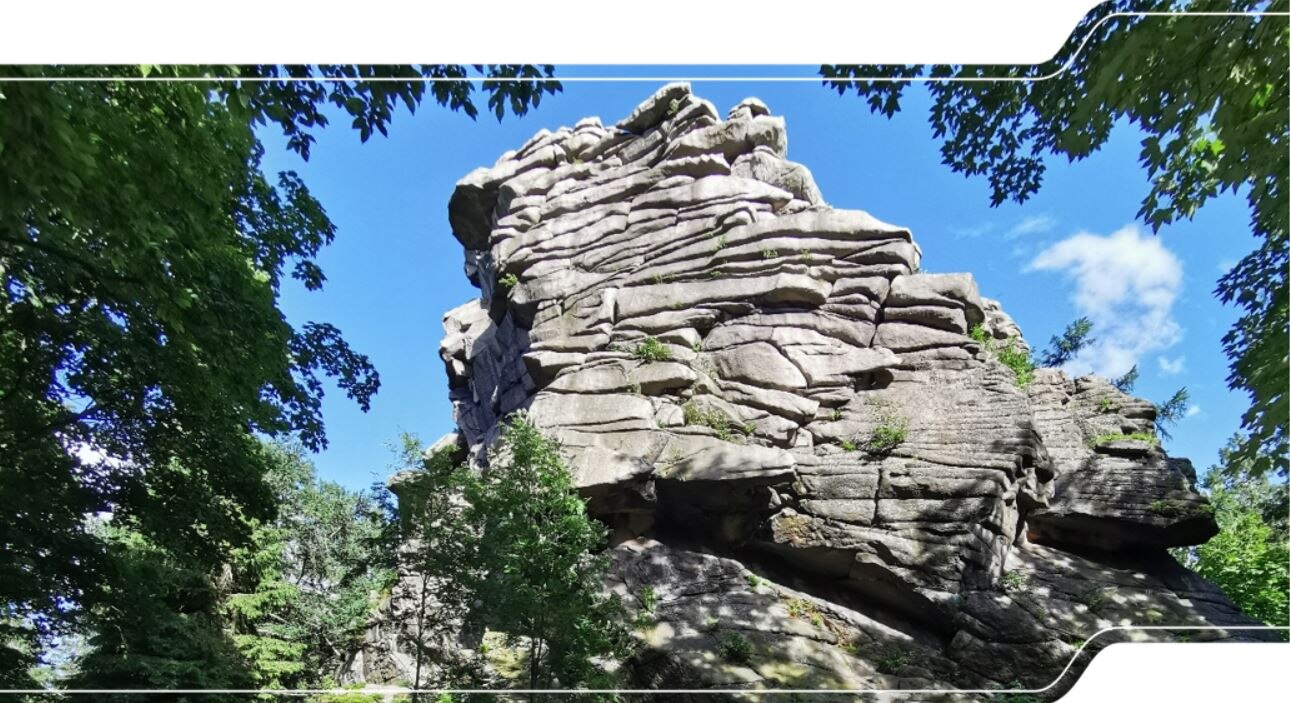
790, 429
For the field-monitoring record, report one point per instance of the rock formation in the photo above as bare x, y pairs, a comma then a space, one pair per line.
796, 436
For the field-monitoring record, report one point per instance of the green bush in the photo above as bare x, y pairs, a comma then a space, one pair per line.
1181, 508
736, 649
1250, 556
1101, 440
1009, 354
1014, 581
712, 418
649, 602
1017, 360
650, 349
893, 660
886, 436
649, 599
508, 281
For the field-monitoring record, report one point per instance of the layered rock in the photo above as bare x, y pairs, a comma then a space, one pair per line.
792, 430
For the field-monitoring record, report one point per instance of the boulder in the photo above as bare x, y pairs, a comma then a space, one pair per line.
794, 438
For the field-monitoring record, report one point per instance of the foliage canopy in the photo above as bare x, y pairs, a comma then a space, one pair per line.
1210, 94
142, 251
281, 613
1250, 557
542, 576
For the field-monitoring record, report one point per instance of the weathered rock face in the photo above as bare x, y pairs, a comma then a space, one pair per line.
790, 429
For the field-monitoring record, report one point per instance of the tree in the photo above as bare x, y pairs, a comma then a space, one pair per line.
282, 613
1171, 411
434, 515
156, 625
1250, 557
1126, 382
142, 251
1064, 348
298, 597
1209, 92
1234, 474
543, 581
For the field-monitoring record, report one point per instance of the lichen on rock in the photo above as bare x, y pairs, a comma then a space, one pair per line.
788, 341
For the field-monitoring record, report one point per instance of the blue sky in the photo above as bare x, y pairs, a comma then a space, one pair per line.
395, 267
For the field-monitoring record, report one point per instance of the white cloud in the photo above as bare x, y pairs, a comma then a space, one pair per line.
1192, 410
1126, 283
1171, 367
1035, 224
971, 232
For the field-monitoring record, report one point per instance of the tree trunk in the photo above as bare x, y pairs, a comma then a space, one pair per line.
421, 617
533, 663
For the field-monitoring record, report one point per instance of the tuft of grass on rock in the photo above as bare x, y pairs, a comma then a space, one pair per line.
1102, 440
736, 649
886, 436
1181, 508
650, 349
892, 660
1009, 354
1014, 582
715, 420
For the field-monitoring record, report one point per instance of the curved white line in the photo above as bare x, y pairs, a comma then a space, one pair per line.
643, 79
639, 79
634, 691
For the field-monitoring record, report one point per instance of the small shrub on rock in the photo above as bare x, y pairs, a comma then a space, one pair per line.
712, 418
736, 649
1105, 439
1014, 582
893, 660
1181, 508
650, 349
1009, 354
886, 437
